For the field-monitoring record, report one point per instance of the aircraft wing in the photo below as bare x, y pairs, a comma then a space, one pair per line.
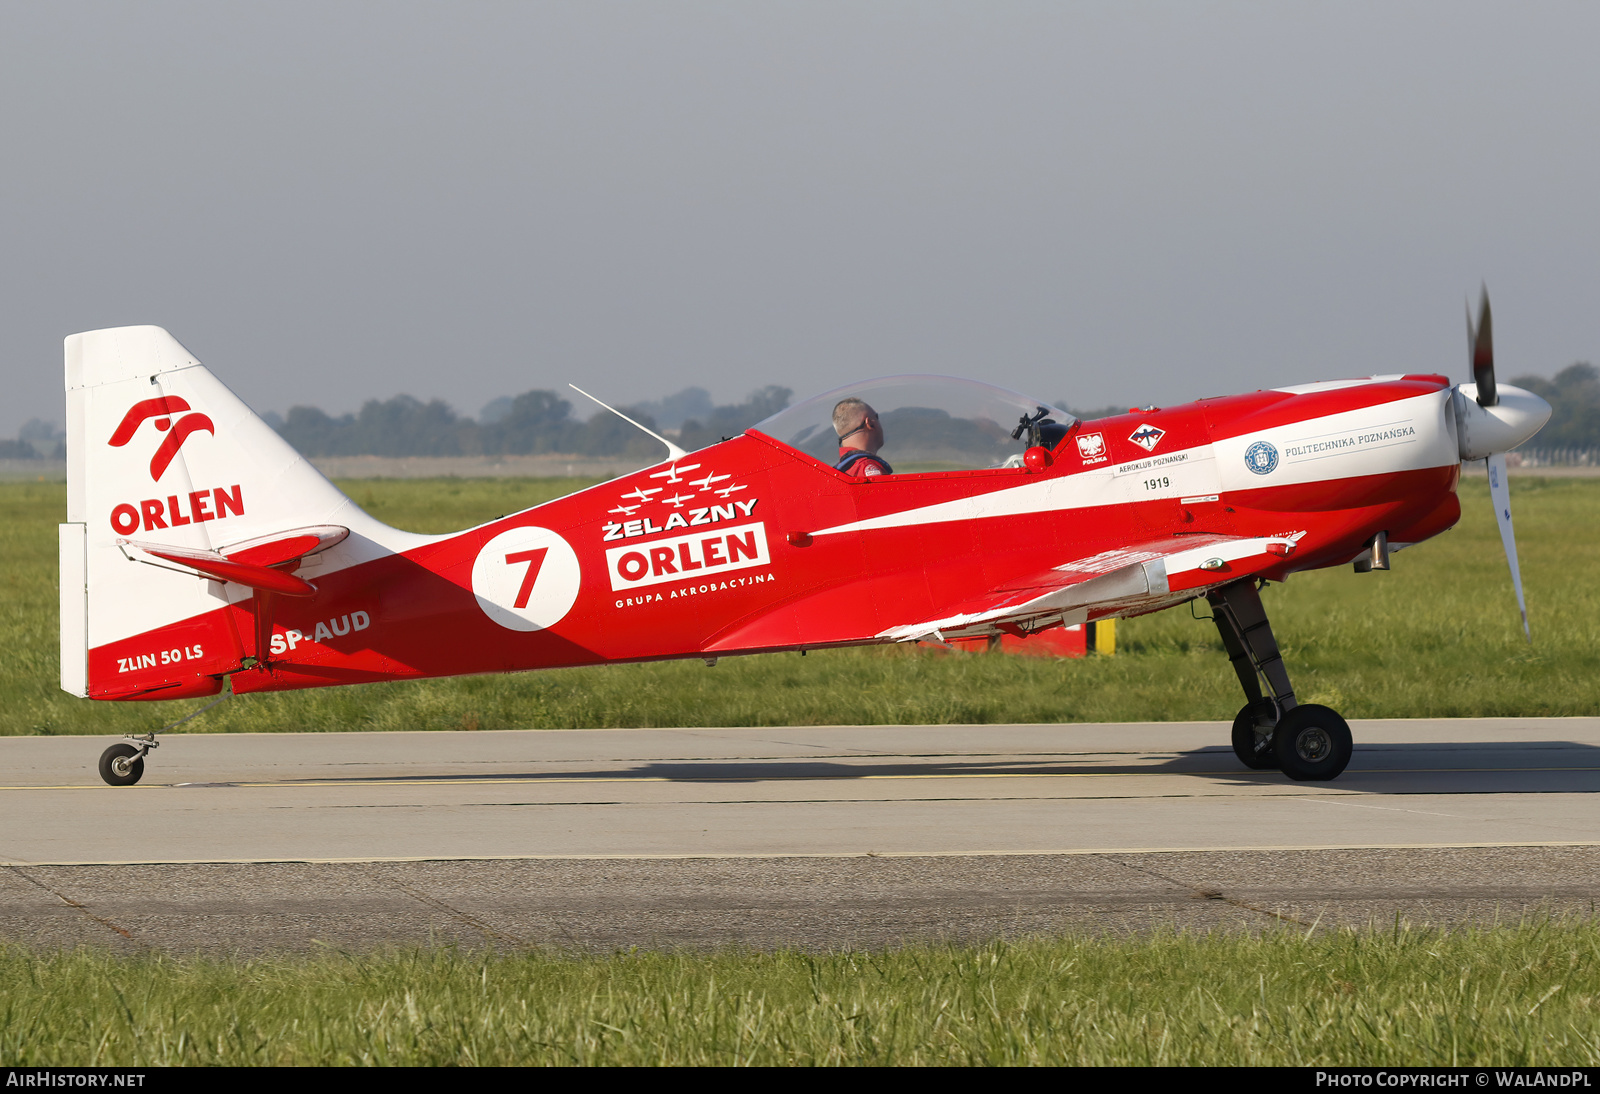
1125, 581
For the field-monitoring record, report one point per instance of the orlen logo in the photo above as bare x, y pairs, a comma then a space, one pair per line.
161, 410
153, 513
688, 558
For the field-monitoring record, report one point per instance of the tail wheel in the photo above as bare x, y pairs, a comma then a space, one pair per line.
1255, 749
1312, 743
121, 765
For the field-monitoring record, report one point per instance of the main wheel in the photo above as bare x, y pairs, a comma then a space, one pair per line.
1312, 743
121, 765
1253, 749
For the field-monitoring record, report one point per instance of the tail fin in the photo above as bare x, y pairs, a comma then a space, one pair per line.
185, 514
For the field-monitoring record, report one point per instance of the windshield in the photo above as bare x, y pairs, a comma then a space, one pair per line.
929, 423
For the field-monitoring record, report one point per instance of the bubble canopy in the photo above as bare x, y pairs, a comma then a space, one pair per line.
930, 423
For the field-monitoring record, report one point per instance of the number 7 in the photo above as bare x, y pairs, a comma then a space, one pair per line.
534, 559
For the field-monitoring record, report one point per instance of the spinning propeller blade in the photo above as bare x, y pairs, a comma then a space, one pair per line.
1500, 494
1481, 341
1482, 353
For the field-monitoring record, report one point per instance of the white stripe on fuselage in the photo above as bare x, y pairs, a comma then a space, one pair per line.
1217, 468
1337, 385
1404, 435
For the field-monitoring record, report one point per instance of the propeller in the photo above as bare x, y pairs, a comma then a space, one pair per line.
1481, 341
1500, 494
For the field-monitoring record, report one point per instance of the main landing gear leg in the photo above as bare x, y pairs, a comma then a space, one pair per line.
1308, 742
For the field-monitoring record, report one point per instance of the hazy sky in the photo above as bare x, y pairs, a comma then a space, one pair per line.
1147, 202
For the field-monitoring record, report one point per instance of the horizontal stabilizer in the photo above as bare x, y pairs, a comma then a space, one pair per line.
281, 547
221, 568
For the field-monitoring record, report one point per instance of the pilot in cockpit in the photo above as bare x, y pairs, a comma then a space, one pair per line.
860, 436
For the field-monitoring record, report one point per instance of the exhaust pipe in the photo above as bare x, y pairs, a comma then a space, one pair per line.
1377, 555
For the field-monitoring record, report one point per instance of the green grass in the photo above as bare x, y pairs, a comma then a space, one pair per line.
1523, 995
1437, 636
449, 504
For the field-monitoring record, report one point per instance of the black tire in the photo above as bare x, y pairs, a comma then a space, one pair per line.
132, 769
1253, 750
1312, 744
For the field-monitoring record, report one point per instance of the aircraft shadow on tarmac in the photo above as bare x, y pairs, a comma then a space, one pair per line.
1519, 767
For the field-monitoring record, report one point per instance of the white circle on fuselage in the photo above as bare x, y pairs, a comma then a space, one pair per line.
526, 579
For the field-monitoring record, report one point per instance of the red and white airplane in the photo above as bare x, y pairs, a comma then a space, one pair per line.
200, 550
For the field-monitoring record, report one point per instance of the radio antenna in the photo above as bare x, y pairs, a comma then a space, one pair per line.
673, 451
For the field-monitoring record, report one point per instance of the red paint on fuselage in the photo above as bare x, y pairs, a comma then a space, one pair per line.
842, 588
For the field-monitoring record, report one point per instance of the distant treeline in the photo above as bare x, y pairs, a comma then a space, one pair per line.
1574, 395
38, 440
533, 422
542, 421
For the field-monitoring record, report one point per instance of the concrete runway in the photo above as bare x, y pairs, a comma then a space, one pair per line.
795, 836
